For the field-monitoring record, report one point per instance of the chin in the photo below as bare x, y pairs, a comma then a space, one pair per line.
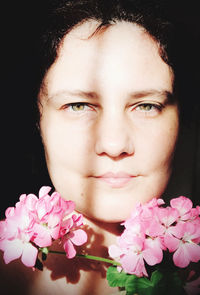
108, 217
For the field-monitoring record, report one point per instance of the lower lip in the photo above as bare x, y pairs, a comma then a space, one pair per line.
116, 182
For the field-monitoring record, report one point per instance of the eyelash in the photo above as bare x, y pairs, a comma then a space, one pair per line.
70, 106
157, 107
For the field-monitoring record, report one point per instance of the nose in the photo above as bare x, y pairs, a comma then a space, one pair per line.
114, 137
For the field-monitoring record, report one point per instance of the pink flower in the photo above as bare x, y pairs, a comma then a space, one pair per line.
144, 219
182, 243
141, 240
168, 216
153, 250
132, 251
130, 257
15, 235
16, 248
146, 209
152, 229
183, 205
77, 237
35, 222
72, 235
49, 214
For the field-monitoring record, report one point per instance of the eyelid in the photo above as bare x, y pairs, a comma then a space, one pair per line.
68, 105
157, 105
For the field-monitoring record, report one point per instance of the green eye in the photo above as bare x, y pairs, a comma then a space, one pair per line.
78, 107
146, 107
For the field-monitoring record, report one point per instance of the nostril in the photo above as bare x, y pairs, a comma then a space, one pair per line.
114, 140
114, 149
120, 157
115, 157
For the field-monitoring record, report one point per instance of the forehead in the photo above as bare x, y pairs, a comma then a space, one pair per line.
122, 53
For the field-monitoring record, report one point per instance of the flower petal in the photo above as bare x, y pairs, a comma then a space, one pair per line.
44, 190
153, 252
13, 250
69, 249
171, 242
180, 257
29, 255
43, 237
193, 251
78, 237
133, 264
181, 203
114, 251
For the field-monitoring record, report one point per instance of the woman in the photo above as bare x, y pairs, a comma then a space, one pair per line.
108, 106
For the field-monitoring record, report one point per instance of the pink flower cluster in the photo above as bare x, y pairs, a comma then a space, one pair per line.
36, 222
152, 229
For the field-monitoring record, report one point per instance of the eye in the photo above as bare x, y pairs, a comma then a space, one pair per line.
77, 107
149, 109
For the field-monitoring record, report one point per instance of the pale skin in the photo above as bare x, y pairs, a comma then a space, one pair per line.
106, 108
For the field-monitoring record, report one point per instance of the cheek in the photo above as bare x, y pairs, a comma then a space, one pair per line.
64, 142
157, 143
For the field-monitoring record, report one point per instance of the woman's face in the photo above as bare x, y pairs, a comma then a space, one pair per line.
108, 120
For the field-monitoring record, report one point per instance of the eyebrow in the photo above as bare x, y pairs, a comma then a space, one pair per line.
164, 94
76, 93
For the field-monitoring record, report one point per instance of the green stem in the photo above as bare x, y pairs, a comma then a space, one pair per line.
99, 259
91, 257
57, 252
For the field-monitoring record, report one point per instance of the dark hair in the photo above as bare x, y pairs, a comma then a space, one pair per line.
64, 15
154, 16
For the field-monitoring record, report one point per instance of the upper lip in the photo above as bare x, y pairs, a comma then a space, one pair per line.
115, 175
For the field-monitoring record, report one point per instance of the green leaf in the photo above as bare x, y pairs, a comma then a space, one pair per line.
166, 283
144, 286
131, 293
156, 277
116, 278
161, 282
136, 285
131, 285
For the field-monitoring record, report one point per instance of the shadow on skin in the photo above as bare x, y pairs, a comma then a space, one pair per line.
15, 278
60, 266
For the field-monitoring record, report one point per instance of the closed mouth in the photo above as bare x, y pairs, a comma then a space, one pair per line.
115, 180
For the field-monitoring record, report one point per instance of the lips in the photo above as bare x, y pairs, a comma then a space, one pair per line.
116, 180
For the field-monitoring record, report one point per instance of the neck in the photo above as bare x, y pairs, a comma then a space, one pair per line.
100, 236
84, 276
